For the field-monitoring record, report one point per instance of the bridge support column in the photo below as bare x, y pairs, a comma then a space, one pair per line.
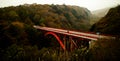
73, 45
67, 43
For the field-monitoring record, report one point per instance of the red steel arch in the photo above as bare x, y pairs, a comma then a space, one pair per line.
58, 39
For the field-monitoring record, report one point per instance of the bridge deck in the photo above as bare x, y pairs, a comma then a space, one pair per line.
71, 33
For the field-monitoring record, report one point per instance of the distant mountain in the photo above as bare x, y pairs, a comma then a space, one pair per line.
98, 14
101, 12
110, 23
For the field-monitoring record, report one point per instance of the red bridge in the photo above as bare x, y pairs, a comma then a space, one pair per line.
84, 35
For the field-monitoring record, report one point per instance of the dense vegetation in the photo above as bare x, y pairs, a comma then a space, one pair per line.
19, 41
110, 24
107, 49
72, 17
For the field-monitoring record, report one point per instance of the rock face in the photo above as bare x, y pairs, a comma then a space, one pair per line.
110, 24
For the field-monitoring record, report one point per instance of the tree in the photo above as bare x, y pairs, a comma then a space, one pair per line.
37, 19
12, 15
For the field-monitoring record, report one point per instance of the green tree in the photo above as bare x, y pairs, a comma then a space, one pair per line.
37, 19
12, 15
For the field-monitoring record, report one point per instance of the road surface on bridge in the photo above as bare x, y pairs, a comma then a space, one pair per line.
72, 33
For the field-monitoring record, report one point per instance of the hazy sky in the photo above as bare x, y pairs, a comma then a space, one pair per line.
90, 4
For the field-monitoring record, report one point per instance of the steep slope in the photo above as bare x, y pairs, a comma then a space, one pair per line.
110, 24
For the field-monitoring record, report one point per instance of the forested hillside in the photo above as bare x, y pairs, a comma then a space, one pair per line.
72, 17
19, 41
107, 49
110, 24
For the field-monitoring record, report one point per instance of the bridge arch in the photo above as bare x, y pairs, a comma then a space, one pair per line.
58, 39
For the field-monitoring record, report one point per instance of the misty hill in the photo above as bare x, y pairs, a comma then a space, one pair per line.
109, 24
94, 19
100, 12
